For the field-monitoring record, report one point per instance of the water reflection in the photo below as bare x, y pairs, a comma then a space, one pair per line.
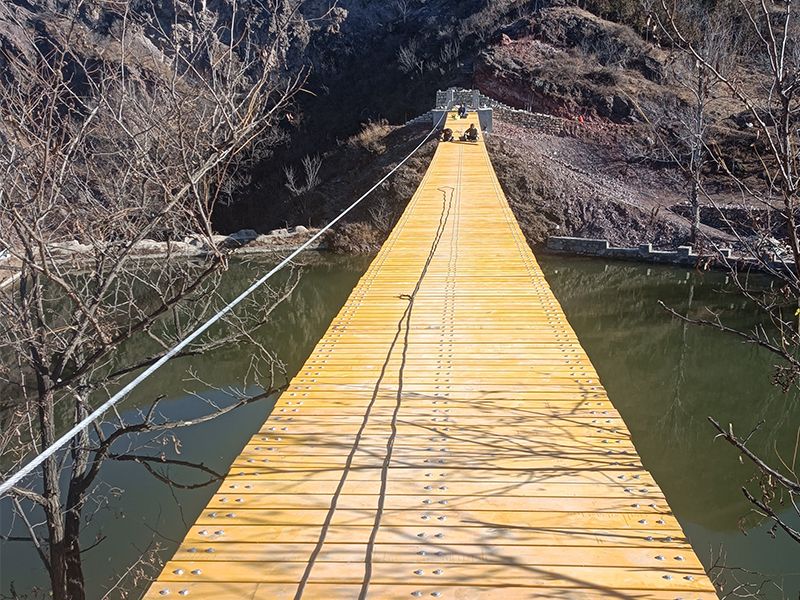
143, 512
667, 377
664, 377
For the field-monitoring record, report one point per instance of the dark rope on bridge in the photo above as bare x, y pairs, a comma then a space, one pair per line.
404, 319
443, 218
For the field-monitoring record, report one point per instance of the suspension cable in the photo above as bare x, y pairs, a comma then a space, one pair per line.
9, 483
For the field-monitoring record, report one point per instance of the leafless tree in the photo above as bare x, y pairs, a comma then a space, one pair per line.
402, 7
771, 32
777, 486
409, 59
382, 216
450, 52
302, 192
102, 152
715, 43
311, 168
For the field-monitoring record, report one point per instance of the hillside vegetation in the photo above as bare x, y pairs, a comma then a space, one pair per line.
370, 66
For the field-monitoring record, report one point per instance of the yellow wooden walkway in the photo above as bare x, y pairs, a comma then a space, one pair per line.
448, 438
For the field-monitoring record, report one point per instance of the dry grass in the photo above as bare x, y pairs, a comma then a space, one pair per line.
372, 137
360, 237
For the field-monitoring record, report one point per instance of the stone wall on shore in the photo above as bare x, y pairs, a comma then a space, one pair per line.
682, 255
541, 123
544, 124
424, 118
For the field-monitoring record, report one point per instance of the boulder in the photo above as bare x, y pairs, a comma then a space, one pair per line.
244, 236
195, 242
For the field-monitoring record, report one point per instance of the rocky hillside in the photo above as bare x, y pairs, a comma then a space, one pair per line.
568, 62
373, 65
610, 181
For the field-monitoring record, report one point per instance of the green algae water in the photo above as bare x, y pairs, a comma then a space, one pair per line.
664, 376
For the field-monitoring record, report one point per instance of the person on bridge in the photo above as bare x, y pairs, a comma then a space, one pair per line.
447, 135
471, 134
462, 111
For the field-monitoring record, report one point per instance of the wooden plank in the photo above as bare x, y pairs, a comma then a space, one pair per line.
490, 501
229, 591
446, 554
447, 438
200, 537
489, 573
439, 515
545, 489
425, 476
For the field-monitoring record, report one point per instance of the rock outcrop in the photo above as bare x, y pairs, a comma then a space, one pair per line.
569, 62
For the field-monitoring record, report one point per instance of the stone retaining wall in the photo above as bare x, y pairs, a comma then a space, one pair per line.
541, 123
683, 255
545, 124
424, 118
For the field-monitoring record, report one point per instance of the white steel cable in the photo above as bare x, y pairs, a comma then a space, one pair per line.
9, 483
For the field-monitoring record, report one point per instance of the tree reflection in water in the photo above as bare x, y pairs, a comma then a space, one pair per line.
666, 377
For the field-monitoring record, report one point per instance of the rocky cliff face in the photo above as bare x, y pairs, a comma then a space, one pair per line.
373, 60
94, 29
369, 61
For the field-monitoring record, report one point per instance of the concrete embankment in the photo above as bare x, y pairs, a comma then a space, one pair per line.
682, 255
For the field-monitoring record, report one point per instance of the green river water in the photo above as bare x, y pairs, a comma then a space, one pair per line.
665, 378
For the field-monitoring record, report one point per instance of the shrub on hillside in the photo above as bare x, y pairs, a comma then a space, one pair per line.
371, 137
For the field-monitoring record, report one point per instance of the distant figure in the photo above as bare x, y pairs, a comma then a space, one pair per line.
462, 111
471, 134
447, 135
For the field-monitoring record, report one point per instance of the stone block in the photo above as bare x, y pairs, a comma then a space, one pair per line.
485, 119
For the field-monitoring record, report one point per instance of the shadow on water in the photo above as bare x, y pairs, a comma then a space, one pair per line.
666, 378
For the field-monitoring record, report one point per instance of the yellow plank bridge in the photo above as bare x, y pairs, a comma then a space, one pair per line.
447, 438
